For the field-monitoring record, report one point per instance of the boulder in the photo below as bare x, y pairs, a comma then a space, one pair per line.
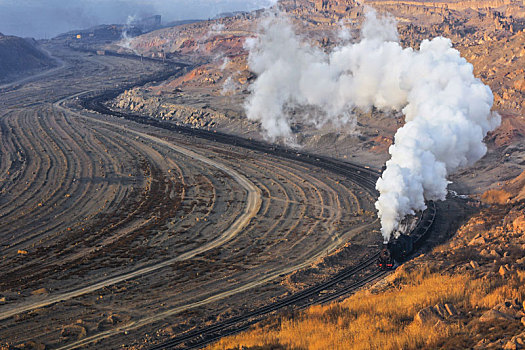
517, 342
441, 310
511, 308
478, 241
494, 253
493, 315
519, 224
451, 309
510, 345
427, 315
485, 253
520, 340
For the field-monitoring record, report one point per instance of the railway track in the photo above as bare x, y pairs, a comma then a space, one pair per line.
199, 338
96, 158
361, 175
208, 334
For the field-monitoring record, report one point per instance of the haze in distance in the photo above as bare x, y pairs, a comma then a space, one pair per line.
46, 19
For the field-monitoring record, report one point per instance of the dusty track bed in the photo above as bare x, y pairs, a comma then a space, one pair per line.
87, 200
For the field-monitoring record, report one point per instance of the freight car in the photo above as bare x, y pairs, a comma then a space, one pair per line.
399, 249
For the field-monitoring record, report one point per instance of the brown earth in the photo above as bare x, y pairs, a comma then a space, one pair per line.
212, 95
113, 231
122, 199
488, 247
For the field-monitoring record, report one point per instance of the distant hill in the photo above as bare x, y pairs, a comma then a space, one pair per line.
20, 57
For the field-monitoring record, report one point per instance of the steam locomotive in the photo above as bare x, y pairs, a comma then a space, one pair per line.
398, 249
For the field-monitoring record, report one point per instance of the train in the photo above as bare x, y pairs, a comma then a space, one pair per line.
399, 248
394, 252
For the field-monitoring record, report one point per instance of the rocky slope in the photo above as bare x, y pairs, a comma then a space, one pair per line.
199, 42
203, 117
501, 64
213, 94
468, 293
20, 57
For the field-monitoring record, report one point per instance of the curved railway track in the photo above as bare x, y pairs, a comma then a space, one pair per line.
333, 166
362, 175
199, 338
102, 202
205, 337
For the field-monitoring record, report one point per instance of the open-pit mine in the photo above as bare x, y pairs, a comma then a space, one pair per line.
115, 232
171, 189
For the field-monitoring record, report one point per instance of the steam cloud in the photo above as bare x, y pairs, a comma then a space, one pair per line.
447, 110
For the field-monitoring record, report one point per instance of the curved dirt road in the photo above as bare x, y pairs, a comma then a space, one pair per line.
109, 226
253, 204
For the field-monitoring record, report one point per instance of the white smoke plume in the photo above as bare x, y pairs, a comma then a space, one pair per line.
225, 63
291, 73
229, 87
447, 110
126, 40
215, 30
344, 35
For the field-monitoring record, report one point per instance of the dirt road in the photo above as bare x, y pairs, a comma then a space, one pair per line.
110, 227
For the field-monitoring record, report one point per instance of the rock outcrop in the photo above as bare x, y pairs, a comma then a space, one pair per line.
512, 191
134, 101
435, 314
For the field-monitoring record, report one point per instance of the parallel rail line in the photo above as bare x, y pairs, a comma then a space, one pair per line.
363, 176
294, 299
201, 339
196, 339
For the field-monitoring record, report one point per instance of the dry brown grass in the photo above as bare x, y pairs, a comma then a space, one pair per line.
384, 320
497, 196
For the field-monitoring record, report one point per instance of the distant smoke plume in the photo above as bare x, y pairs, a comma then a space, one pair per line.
48, 18
214, 31
126, 39
447, 110
229, 87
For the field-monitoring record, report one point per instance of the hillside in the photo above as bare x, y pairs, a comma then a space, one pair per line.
20, 57
213, 94
465, 294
